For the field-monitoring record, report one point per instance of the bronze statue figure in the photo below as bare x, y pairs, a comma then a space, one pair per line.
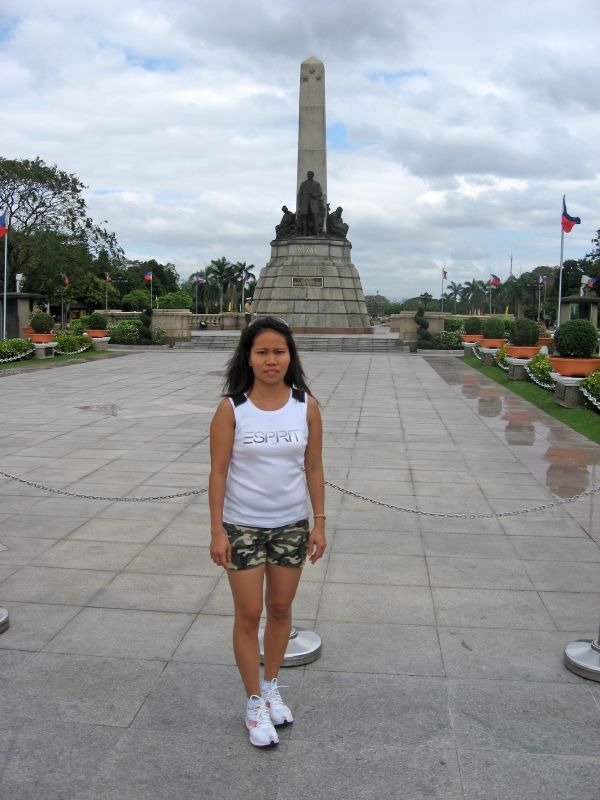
336, 227
310, 210
287, 227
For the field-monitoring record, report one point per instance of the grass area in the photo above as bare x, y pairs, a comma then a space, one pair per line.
40, 363
582, 420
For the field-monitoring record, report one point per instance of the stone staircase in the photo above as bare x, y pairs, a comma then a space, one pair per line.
306, 342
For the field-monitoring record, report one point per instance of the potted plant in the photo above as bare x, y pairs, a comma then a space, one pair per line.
523, 336
575, 341
544, 337
96, 325
492, 329
472, 329
43, 327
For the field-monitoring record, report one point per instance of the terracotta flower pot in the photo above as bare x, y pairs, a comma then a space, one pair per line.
545, 340
492, 343
96, 333
574, 367
41, 338
27, 330
521, 351
471, 337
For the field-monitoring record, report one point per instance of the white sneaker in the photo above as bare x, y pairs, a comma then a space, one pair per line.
258, 722
278, 711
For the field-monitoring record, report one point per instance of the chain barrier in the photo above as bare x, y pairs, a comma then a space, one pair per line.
381, 503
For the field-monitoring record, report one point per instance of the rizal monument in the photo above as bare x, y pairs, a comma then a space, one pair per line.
310, 279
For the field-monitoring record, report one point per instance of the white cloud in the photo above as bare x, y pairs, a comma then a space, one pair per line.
464, 124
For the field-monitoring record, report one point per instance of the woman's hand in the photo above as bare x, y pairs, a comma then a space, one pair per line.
220, 548
316, 544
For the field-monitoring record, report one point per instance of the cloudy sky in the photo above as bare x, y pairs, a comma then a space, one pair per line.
454, 126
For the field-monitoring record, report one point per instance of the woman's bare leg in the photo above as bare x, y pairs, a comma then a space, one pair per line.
247, 589
282, 583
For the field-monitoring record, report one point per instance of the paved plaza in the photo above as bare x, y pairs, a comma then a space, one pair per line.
441, 675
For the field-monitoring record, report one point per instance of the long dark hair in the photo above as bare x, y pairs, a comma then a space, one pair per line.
239, 377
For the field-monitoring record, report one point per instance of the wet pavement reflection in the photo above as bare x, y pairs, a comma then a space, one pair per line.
564, 461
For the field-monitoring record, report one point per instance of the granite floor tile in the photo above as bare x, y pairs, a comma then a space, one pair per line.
544, 548
381, 771
513, 655
122, 633
54, 585
117, 530
75, 688
88, 555
478, 573
208, 641
377, 569
377, 542
175, 560
467, 544
32, 625
564, 576
490, 608
524, 717
360, 603
325, 714
506, 775
377, 648
39, 526
21, 550
184, 593
573, 611
53, 760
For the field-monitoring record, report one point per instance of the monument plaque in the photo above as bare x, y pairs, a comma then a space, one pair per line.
311, 245
304, 281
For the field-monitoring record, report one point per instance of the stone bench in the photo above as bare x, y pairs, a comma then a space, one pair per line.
44, 350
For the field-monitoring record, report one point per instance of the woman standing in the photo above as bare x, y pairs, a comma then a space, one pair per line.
265, 430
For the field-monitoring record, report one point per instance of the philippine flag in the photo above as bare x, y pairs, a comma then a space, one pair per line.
495, 280
147, 276
65, 278
543, 280
444, 275
568, 221
246, 276
591, 283
3, 228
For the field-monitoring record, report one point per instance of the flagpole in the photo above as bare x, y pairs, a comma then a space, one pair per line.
5, 287
560, 269
442, 295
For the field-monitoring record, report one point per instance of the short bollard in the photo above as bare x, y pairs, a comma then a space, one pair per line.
4, 623
303, 647
583, 658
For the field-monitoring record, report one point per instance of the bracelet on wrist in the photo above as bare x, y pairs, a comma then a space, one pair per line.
320, 516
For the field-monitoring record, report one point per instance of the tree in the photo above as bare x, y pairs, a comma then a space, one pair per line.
219, 274
239, 269
47, 216
454, 292
474, 294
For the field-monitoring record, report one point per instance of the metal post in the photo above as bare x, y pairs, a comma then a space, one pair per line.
4, 621
5, 286
560, 272
304, 646
583, 658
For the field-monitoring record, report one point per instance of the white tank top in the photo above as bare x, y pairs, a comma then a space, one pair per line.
266, 487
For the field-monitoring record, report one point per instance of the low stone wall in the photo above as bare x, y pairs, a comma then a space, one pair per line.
114, 315
228, 321
177, 323
405, 326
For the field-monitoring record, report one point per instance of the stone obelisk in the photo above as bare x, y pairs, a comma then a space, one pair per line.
310, 279
312, 131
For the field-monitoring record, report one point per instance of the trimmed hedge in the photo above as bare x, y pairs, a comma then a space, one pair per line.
493, 328
576, 338
523, 332
473, 325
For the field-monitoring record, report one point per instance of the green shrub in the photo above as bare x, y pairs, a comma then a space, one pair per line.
447, 340
453, 324
179, 299
591, 384
576, 338
159, 335
71, 343
97, 321
78, 326
137, 300
42, 322
492, 328
125, 332
473, 325
540, 371
14, 349
523, 332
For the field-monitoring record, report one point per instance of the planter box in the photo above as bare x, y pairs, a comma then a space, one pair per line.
574, 367
516, 351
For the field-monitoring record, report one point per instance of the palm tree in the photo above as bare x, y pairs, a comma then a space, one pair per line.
517, 291
219, 274
454, 292
239, 269
474, 293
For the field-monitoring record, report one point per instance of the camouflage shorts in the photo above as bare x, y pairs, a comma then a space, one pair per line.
285, 546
